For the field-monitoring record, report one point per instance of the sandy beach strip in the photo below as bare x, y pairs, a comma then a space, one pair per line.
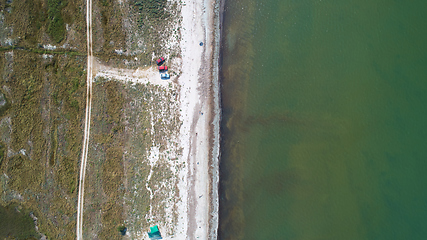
199, 133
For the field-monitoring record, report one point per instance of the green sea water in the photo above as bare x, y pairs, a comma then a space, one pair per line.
324, 131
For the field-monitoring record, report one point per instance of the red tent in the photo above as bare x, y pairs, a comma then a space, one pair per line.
160, 60
162, 68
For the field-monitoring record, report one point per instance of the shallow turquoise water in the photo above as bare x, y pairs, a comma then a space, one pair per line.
324, 129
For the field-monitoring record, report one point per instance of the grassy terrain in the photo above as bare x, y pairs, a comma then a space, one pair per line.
47, 101
104, 198
40, 124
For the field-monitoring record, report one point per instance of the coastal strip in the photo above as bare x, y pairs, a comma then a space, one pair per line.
199, 133
216, 120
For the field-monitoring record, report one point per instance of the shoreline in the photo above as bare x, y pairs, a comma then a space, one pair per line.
200, 115
216, 122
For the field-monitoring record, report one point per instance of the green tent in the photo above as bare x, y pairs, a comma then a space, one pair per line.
154, 233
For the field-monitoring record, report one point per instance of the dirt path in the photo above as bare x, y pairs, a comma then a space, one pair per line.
139, 75
79, 227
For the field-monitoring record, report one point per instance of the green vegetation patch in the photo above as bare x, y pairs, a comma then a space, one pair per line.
56, 25
16, 223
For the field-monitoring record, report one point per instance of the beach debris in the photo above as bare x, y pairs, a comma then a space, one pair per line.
201, 43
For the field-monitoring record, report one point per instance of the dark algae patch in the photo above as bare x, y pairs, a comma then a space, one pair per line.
16, 223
